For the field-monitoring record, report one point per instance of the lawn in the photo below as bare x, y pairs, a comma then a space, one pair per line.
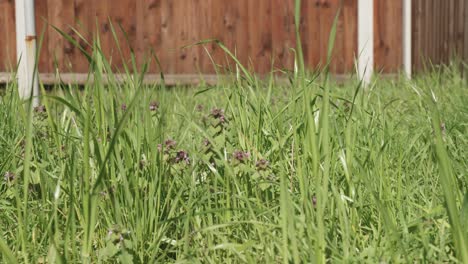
246, 171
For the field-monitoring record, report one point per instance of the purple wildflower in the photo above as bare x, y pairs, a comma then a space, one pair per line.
123, 107
199, 108
262, 164
154, 106
142, 164
314, 201
241, 156
217, 112
9, 176
182, 155
170, 144
40, 109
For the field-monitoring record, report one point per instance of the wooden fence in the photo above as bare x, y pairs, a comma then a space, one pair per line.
259, 32
440, 32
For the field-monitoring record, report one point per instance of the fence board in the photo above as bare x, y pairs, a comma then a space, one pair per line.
439, 32
310, 31
260, 37
283, 36
84, 24
350, 34
257, 31
61, 14
7, 35
388, 35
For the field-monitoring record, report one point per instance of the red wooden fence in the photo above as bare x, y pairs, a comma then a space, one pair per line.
259, 32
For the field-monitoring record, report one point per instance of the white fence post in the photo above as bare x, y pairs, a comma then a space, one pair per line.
365, 39
407, 49
28, 83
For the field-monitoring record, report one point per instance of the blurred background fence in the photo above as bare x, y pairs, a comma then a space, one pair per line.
259, 32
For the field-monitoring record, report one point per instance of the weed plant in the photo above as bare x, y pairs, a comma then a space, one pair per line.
247, 171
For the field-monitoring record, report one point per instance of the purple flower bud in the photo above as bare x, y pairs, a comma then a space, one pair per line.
241, 156
199, 108
314, 201
170, 144
154, 106
262, 164
123, 107
182, 156
217, 112
9, 176
40, 109
142, 164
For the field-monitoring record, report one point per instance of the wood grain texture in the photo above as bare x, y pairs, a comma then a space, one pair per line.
388, 35
310, 32
7, 35
260, 36
350, 51
330, 9
258, 32
460, 27
42, 36
102, 30
123, 19
61, 14
84, 24
283, 34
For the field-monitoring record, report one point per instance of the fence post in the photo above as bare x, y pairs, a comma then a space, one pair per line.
365, 40
407, 45
28, 84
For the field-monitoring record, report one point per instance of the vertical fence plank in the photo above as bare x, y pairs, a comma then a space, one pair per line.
451, 20
330, 9
425, 40
7, 35
123, 19
61, 14
180, 20
327, 15
84, 24
140, 42
260, 37
259, 30
235, 29
310, 29
465, 30
181, 9
283, 34
230, 24
459, 26
167, 52
102, 31
41, 27
350, 34
209, 14
388, 35
416, 37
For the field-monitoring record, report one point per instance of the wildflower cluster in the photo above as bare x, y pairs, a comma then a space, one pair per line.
119, 247
171, 155
240, 157
9, 176
154, 106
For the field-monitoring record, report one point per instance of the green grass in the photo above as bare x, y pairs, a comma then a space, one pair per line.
247, 171
369, 175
